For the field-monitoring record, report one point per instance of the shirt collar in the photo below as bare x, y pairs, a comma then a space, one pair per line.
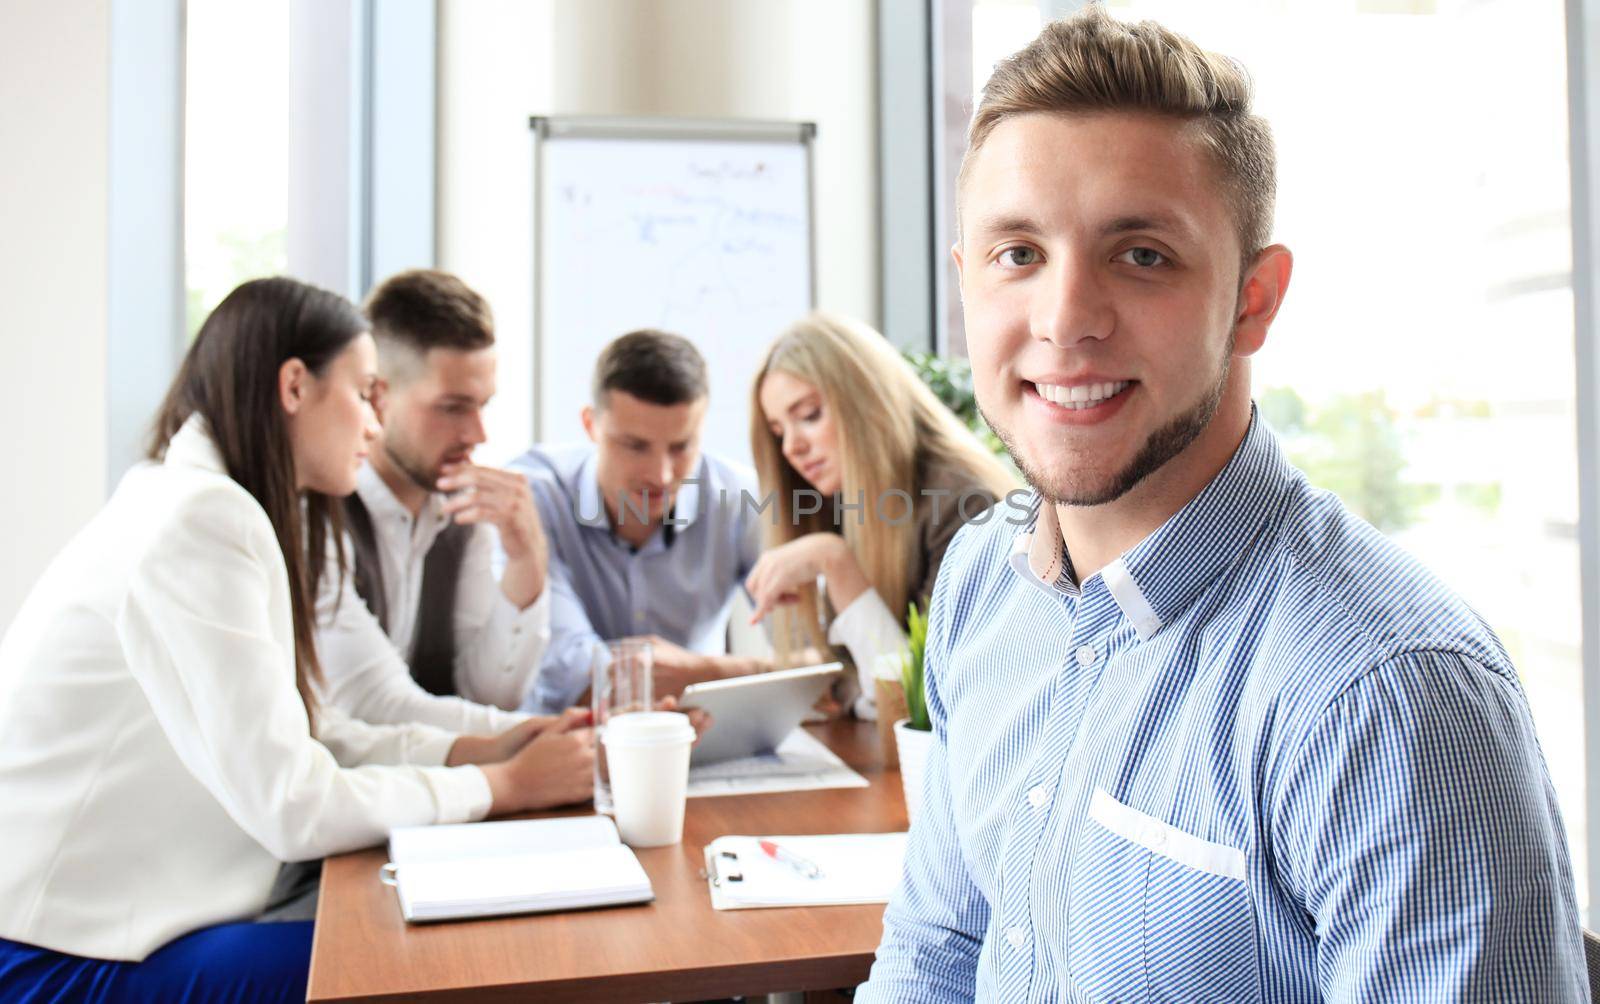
380, 500
192, 446
1037, 554
1155, 581
686, 507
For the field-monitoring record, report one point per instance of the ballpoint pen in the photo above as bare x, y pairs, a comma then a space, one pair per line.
807, 868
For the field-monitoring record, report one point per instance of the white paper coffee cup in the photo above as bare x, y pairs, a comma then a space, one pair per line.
648, 755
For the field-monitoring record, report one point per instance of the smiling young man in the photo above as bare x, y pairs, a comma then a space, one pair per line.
650, 536
1200, 734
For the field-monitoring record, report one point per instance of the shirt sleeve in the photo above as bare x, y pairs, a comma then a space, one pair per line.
1418, 826
933, 928
498, 647
749, 524
867, 629
564, 674
365, 675
204, 630
355, 743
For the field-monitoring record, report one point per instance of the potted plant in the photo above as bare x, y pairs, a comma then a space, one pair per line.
913, 734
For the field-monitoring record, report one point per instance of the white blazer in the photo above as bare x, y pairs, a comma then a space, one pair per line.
156, 763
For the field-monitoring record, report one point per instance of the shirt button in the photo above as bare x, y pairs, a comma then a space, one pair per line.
1017, 937
1038, 796
1157, 838
1085, 656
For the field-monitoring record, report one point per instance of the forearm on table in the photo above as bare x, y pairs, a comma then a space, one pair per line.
471, 749
722, 667
563, 676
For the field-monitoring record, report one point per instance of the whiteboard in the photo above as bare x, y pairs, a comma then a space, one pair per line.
700, 229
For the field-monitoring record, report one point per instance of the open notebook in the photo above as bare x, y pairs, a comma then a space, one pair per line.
517, 866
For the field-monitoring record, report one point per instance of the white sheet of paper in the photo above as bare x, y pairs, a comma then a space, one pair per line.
800, 763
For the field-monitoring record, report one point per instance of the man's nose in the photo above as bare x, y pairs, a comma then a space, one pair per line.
1072, 305
477, 434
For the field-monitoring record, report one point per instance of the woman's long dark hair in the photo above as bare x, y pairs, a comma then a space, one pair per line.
230, 378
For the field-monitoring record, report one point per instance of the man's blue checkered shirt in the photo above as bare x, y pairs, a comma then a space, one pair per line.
1263, 756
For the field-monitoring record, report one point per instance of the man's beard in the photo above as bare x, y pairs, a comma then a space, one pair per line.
427, 481
1162, 445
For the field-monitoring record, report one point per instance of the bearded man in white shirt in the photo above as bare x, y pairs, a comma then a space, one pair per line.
422, 631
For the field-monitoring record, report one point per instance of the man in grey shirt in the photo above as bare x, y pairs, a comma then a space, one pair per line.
648, 535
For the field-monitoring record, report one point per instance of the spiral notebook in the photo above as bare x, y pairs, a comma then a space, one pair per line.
518, 866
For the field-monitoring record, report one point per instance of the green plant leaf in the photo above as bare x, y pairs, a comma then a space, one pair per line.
912, 669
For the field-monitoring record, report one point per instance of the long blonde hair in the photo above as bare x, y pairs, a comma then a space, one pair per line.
888, 426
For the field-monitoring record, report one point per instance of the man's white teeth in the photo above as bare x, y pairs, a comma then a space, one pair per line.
1079, 396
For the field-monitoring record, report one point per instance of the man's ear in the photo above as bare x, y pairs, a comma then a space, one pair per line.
1265, 283
294, 381
380, 400
588, 416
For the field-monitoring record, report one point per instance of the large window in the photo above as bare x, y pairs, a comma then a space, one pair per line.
1423, 365
236, 140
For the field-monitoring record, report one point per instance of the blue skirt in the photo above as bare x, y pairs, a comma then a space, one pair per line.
246, 963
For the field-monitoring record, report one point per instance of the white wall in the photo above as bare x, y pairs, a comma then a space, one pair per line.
494, 71
54, 124
502, 61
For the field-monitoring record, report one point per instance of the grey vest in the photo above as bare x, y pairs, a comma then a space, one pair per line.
433, 647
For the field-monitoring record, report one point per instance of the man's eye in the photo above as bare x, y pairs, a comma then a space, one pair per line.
1142, 257
1019, 256
812, 417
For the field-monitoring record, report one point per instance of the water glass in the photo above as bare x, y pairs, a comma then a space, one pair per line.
620, 683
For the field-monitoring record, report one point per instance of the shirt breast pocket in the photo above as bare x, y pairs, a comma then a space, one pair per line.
1157, 913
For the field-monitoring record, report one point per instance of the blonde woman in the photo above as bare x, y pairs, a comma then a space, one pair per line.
872, 477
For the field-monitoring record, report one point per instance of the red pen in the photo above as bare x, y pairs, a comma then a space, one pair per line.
807, 868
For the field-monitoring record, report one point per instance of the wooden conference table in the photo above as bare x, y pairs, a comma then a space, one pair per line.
676, 948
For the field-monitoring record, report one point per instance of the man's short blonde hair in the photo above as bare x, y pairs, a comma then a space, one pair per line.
1092, 62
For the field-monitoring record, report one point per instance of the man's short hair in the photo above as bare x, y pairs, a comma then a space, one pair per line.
1092, 62
652, 366
424, 309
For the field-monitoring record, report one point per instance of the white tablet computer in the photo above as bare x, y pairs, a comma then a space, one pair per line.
753, 714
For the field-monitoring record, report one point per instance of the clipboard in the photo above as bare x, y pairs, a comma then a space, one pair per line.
855, 869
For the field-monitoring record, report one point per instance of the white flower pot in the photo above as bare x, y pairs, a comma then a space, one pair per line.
913, 745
